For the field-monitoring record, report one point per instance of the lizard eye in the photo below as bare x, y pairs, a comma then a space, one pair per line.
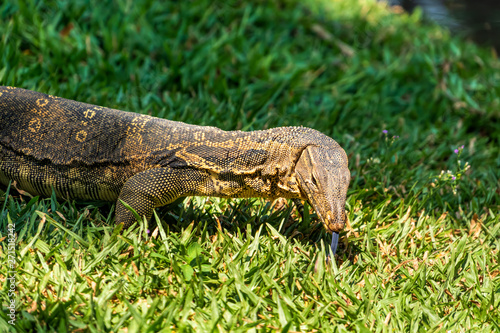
314, 181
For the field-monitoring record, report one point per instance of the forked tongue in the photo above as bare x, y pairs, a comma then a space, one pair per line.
335, 242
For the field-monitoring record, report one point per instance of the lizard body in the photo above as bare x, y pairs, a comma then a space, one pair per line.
83, 151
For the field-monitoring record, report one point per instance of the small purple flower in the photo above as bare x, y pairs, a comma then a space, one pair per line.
453, 177
456, 151
395, 137
385, 131
462, 147
147, 231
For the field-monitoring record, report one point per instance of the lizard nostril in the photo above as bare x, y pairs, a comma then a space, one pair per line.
328, 216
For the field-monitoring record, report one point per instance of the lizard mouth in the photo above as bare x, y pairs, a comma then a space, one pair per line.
332, 224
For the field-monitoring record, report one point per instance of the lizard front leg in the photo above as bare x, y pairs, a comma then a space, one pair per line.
155, 188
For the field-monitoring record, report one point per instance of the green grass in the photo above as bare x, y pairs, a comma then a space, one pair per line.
421, 252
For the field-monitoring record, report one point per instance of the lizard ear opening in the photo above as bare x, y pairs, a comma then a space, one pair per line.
304, 170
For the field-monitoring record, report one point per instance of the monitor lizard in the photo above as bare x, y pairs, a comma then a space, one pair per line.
84, 151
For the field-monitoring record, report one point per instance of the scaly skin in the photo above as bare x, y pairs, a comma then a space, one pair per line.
84, 151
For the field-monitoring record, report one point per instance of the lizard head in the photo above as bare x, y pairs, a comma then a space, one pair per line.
323, 177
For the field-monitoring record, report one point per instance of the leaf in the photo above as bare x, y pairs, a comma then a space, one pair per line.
475, 226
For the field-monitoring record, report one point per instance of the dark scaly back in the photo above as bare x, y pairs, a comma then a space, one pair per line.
65, 132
